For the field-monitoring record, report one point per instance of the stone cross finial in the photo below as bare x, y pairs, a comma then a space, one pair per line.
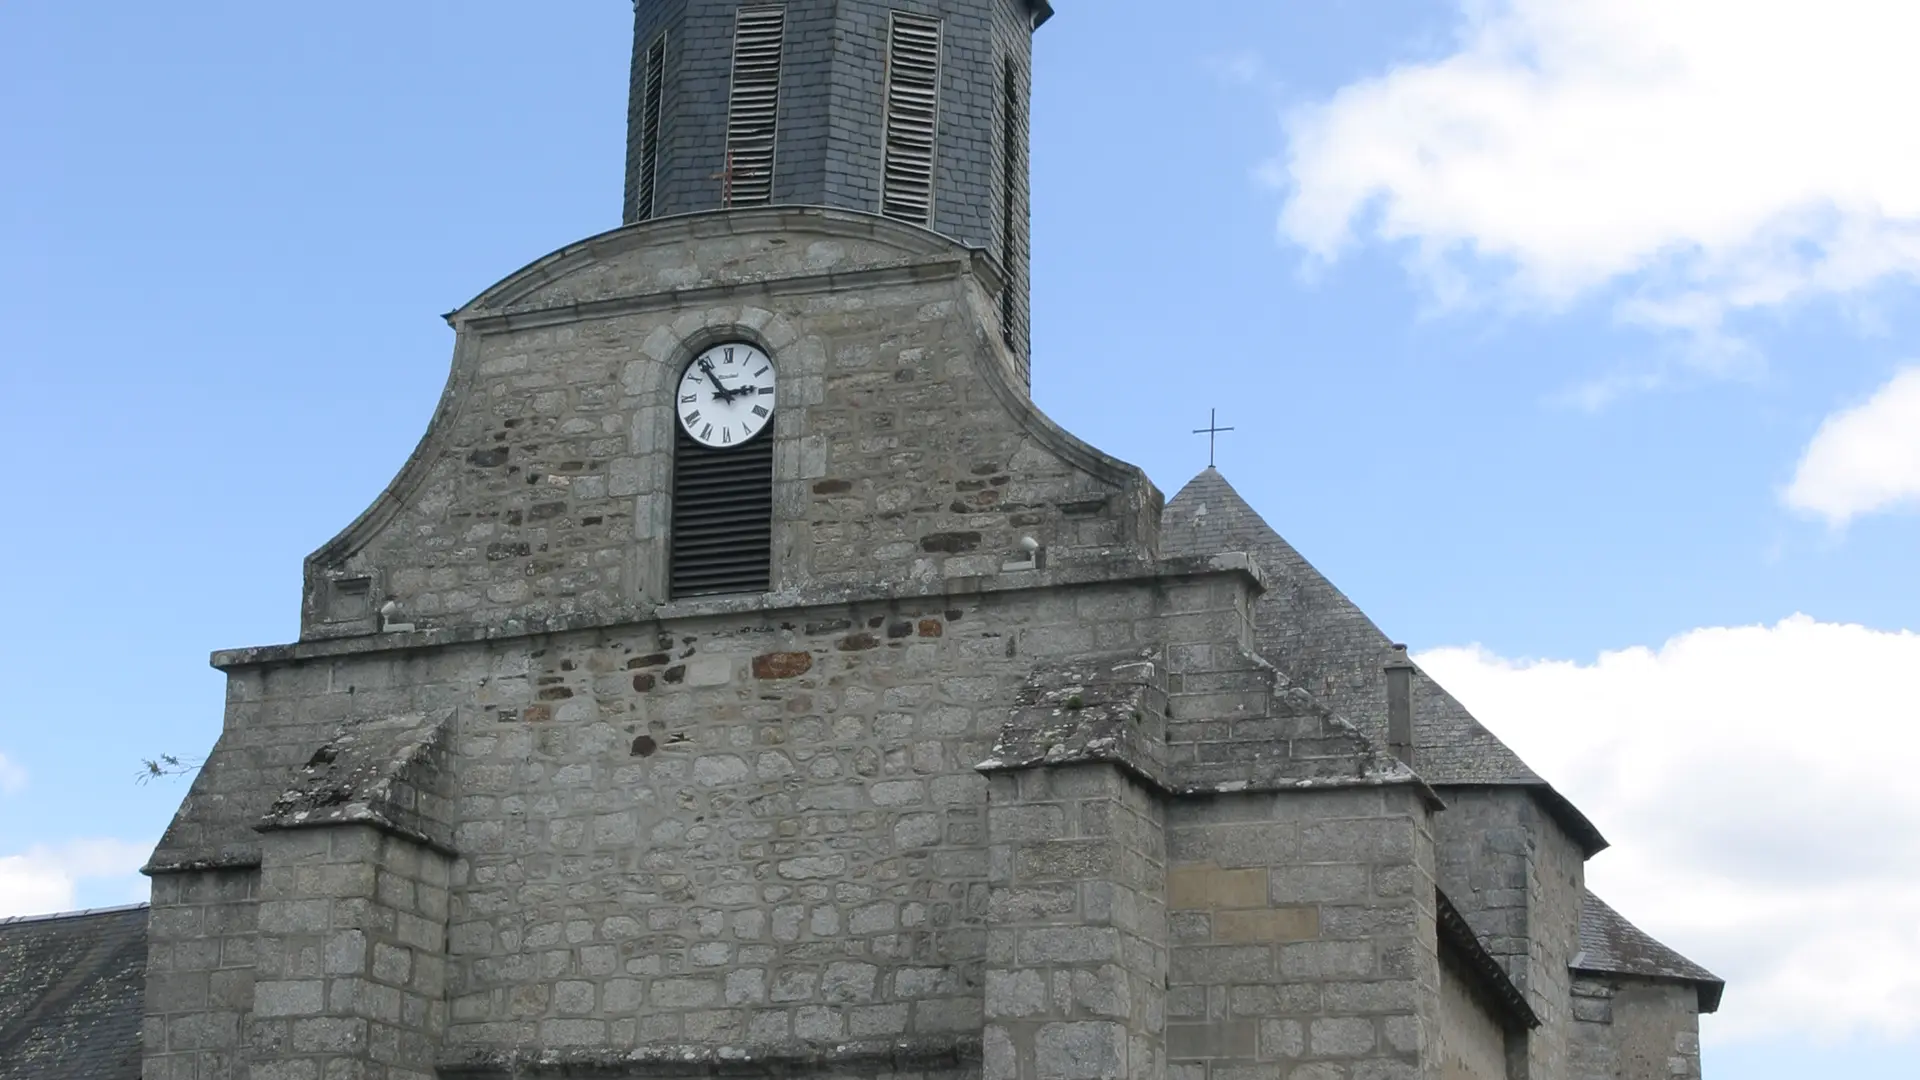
1211, 431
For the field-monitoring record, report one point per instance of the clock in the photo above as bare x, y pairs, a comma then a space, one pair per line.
725, 396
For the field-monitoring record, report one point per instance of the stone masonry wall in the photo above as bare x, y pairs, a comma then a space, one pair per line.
1471, 1044
749, 832
1624, 1028
201, 946
352, 964
1303, 935
1518, 879
1077, 950
903, 449
1554, 891
758, 830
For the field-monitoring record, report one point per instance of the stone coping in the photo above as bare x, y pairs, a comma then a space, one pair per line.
369, 773
1064, 575
1091, 710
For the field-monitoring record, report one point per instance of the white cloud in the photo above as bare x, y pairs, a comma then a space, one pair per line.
1759, 786
1863, 459
46, 879
13, 778
1706, 156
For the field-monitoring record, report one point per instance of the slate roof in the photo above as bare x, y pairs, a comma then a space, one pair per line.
70, 994
1322, 642
1610, 945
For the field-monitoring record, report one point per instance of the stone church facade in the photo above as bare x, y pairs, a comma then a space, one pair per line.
998, 765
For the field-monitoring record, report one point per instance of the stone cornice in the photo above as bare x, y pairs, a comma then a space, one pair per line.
788, 602
918, 271
833, 222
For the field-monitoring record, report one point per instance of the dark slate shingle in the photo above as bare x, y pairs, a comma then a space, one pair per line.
70, 995
1610, 945
1323, 643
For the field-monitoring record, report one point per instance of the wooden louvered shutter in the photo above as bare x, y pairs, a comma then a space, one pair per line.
1012, 176
722, 534
653, 88
912, 120
753, 106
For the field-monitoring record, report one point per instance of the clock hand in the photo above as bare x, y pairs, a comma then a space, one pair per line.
721, 392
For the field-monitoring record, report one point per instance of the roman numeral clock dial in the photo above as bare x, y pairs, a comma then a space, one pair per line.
726, 395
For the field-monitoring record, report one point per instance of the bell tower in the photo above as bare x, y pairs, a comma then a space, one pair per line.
911, 109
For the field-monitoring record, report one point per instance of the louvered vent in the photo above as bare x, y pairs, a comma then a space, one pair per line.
1011, 170
913, 113
754, 105
653, 87
722, 517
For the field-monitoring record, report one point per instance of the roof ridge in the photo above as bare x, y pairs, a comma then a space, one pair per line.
10, 920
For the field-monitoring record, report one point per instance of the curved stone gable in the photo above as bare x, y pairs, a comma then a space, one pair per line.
906, 450
706, 250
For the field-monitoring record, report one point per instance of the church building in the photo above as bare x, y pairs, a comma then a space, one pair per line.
745, 678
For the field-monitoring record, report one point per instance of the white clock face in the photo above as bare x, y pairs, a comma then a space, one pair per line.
725, 396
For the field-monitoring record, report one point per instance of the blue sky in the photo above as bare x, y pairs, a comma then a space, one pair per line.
1567, 337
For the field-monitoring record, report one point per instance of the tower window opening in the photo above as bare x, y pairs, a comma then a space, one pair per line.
753, 105
721, 533
912, 118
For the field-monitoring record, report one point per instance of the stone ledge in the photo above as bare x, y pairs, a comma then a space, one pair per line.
1271, 786
1065, 574
699, 1060
229, 857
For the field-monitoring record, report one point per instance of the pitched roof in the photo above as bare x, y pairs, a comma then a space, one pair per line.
1610, 945
1322, 642
71, 988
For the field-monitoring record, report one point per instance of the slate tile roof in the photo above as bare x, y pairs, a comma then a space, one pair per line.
70, 995
1323, 643
1610, 945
